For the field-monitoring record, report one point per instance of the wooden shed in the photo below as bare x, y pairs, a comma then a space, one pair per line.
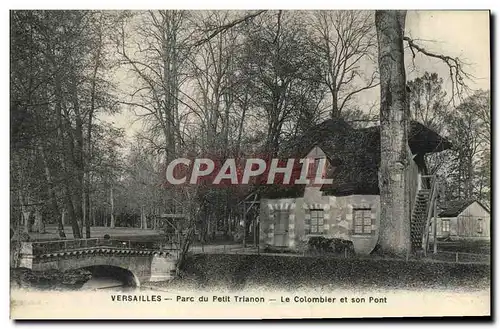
464, 219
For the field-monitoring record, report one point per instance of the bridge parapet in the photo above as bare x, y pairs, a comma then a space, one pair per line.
49, 247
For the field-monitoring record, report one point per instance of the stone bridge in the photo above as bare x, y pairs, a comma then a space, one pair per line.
137, 262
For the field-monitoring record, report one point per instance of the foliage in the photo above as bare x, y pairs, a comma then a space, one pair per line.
49, 280
330, 245
209, 271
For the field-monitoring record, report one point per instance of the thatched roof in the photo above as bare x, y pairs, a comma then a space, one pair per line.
354, 154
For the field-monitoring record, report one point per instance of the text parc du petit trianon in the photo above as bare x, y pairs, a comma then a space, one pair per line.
250, 299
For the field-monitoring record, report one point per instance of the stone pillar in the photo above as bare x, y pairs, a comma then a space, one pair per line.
26, 255
163, 267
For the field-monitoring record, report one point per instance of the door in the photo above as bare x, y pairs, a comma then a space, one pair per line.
281, 228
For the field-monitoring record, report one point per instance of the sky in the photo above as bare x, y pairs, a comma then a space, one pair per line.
463, 34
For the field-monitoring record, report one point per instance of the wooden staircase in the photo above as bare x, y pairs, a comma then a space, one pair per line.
423, 211
419, 218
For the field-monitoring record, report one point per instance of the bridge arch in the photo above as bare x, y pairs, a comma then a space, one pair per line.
109, 273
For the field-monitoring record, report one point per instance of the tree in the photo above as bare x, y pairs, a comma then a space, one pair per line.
344, 41
57, 90
157, 57
468, 128
428, 103
394, 233
213, 71
282, 69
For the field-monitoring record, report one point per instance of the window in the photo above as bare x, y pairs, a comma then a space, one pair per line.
316, 223
362, 220
480, 225
445, 226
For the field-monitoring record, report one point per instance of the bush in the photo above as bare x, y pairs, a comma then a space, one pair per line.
319, 243
49, 279
330, 245
211, 271
277, 250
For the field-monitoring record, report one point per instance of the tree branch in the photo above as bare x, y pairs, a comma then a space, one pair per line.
225, 27
455, 65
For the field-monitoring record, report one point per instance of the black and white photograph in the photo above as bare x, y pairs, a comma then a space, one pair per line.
264, 164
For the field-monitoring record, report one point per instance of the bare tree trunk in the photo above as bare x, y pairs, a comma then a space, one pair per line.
52, 193
93, 212
71, 213
105, 222
84, 207
335, 113
240, 125
144, 222
39, 225
63, 216
112, 210
394, 234
25, 213
89, 137
66, 183
255, 225
79, 161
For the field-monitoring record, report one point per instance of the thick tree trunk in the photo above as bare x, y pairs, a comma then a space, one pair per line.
88, 209
394, 234
79, 163
71, 213
335, 113
86, 198
64, 160
52, 193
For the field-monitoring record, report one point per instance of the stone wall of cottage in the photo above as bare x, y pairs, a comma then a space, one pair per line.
338, 219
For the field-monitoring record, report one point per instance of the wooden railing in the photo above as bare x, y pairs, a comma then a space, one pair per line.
431, 211
460, 257
44, 247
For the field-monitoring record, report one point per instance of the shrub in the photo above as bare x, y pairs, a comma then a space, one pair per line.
330, 245
293, 273
49, 279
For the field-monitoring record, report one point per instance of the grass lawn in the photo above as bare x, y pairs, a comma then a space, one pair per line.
122, 233
468, 246
125, 233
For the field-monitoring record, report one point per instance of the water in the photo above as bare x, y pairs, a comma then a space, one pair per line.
103, 283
